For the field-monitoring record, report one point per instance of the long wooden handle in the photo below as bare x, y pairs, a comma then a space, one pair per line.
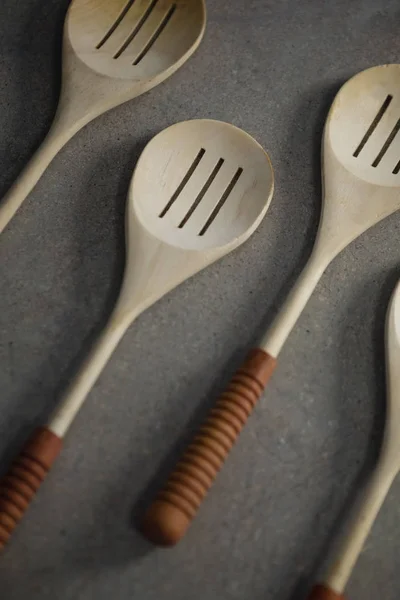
320, 592
29, 177
176, 505
20, 484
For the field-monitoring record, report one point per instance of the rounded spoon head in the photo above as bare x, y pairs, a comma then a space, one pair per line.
201, 184
135, 39
363, 126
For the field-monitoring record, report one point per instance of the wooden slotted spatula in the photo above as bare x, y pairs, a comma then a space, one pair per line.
199, 190
361, 180
113, 51
334, 581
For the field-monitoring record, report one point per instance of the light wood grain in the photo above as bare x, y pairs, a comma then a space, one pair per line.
356, 194
199, 190
96, 78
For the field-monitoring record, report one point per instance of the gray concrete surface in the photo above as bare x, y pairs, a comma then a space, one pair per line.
271, 67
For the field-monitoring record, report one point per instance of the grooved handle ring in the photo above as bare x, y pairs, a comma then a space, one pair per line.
176, 505
23, 479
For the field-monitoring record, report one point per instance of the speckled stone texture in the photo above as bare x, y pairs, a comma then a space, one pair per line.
271, 67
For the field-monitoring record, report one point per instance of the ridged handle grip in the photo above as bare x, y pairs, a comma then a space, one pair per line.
176, 505
24, 477
321, 592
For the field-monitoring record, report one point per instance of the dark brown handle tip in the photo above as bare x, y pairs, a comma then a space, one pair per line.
176, 505
24, 477
321, 592
164, 524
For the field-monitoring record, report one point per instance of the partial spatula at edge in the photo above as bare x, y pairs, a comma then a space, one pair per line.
335, 579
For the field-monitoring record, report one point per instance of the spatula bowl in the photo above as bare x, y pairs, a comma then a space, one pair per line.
361, 152
201, 184
134, 39
364, 123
